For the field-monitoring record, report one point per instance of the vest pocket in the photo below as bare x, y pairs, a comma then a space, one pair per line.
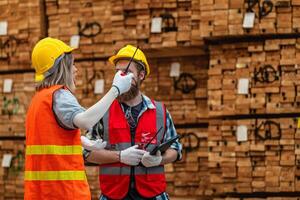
119, 133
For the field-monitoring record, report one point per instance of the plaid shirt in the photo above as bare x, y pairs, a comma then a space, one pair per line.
170, 133
170, 128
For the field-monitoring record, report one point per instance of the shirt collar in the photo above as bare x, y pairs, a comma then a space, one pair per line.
147, 102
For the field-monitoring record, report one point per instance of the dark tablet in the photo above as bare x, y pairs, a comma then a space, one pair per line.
164, 146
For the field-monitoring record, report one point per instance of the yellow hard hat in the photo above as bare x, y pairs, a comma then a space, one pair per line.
127, 52
45, 53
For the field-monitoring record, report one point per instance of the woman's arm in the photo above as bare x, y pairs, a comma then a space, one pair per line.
86, 120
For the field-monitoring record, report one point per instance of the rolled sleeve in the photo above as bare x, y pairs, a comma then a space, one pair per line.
66, 107
171, 133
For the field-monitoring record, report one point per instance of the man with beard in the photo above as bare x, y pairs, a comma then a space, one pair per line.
132, 127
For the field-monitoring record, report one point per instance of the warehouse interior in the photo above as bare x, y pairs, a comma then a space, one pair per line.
227, 71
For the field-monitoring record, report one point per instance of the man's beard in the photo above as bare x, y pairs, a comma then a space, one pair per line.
131, 93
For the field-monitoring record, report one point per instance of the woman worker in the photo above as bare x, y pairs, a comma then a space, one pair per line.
54, 167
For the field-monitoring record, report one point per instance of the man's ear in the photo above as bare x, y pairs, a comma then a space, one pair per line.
142, 75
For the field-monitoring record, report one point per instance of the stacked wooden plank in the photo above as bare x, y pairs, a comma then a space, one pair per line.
195, 23
20, 29
271, 70
118, 21
184, 23
189, 177
226, 17
14, 104
91, 20
266, 161
125, 22
11, 178
138, 21
185, 107
92, 173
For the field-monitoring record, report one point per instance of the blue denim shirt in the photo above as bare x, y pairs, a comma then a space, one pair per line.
66, 107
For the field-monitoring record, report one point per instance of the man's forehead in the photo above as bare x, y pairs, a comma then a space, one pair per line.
124, 63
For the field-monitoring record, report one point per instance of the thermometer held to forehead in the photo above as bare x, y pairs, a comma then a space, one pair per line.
131, 59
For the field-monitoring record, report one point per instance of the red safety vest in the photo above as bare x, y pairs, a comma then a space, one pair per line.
54, 167
115, 178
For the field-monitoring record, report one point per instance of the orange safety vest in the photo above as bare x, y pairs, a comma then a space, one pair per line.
54, 166
115, 178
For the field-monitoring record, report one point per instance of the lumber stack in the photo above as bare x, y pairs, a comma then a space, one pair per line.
270, 69
14, 104
184, 107
20, 29
264, 158
11, 178
92, 173
226, 17
124, 22
91, 20
189, 176
265, 161
183, 28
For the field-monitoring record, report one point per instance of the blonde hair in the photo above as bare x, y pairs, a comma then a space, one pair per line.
62, 75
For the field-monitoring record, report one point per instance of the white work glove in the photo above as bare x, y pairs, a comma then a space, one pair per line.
122, 82
92, 145
151, 160
132, 155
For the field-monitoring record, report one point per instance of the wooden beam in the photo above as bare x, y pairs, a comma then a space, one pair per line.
175, 52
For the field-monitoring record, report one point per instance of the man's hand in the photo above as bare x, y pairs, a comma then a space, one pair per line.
151, 160
132, 155
92, 145
122, 82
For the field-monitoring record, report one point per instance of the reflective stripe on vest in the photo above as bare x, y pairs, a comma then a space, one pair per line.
125, 145
53, 150
160, 120
125, 170
54, 175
